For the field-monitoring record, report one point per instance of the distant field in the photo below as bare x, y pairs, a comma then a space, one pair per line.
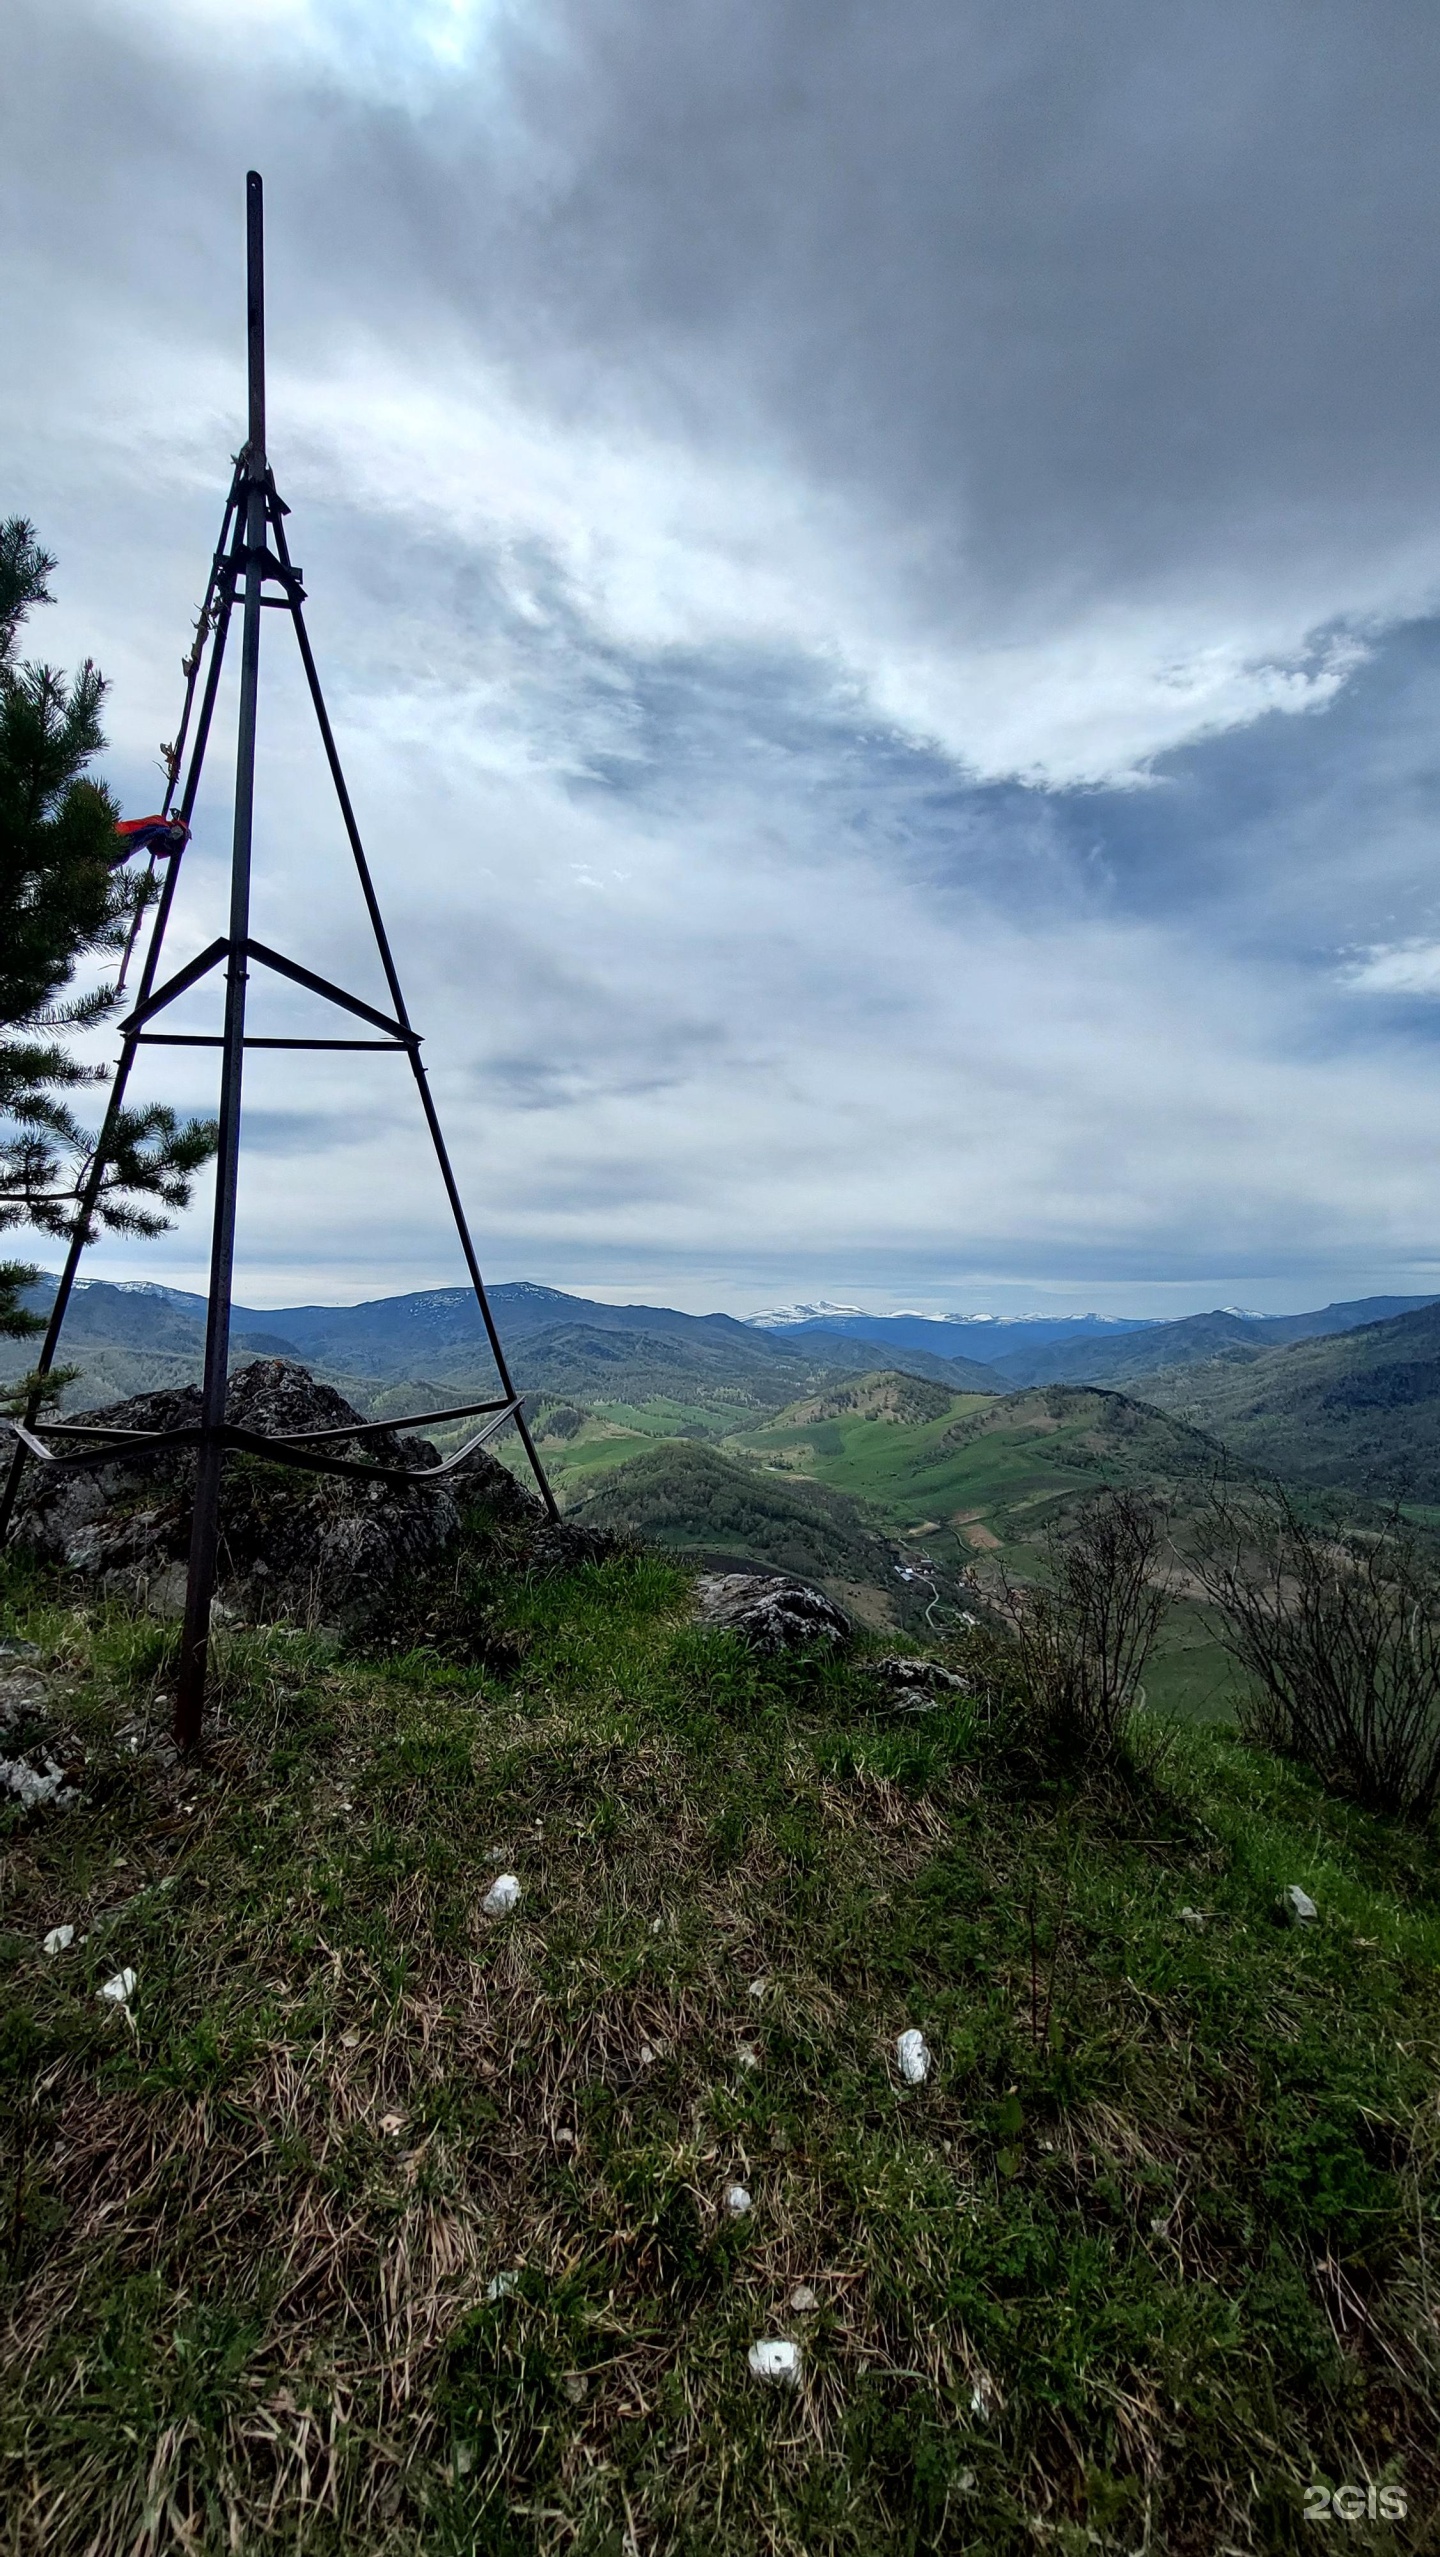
573, 1464
660, 1417
988, 1476
979, 1484
912, 1469
967, 1483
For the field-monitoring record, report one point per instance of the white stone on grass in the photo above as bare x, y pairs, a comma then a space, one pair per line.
502, 2286
737, 2201
35, 1788
59, 1939
913, 2057
773, 2358
120, 1990
1298, 1907
502, 1896
802, 2299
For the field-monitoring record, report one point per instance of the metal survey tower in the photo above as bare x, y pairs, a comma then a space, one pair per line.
252, 566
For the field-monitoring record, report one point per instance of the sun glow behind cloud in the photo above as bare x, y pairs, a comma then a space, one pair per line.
397, 50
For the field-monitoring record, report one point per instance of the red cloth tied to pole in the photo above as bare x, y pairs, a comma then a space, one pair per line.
159, 836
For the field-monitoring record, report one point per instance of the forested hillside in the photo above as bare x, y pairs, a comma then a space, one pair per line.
709, 1508
1357, 1413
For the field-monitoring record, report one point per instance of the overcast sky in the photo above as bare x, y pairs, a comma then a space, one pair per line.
876, 569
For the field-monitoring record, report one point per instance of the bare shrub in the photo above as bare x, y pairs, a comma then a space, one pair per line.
1085, 1634
1339, 1635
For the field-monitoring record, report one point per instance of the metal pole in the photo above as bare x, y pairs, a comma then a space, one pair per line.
422, 1083
195, 1640
221, 573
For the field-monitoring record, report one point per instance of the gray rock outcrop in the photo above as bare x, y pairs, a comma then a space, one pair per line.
915, 1686
773, 1615
311, 1548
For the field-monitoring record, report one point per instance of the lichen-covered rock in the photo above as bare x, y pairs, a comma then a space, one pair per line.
914, 1686
313, 1548
772, 1614
39, 1764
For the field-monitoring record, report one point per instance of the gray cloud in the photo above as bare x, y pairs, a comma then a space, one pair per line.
872, 572
1065, 305
1101, 280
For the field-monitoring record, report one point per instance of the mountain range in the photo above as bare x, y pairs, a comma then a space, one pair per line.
126, 1339
1084, 1349
1347, 1395
980, 1336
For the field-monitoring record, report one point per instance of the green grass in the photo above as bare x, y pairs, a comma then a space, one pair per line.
1154, 2247
660, 1417
575, 1464
1190, 1673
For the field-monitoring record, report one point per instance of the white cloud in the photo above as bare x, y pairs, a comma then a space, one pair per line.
1408, 967
655, 545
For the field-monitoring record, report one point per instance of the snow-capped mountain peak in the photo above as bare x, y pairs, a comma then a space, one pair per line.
778, 1316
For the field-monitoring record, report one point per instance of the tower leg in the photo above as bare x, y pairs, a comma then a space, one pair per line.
205, 1524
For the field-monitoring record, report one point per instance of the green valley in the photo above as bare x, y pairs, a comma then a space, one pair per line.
943, 1492
993, 1474
954, 1471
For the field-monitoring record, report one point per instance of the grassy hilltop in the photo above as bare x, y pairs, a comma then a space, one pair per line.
379, 2226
